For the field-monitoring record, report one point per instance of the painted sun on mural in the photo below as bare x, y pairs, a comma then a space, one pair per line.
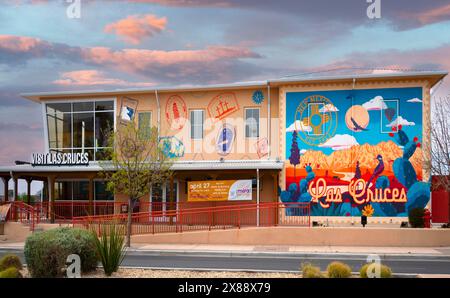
354, 152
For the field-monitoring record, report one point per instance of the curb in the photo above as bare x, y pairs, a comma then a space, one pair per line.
221, 253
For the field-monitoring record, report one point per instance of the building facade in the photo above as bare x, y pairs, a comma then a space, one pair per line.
348, 145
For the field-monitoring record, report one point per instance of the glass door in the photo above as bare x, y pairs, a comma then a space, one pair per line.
160, 200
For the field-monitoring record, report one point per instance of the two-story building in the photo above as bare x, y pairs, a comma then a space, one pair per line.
348, 144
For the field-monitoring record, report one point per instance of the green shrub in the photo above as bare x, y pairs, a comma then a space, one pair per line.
415, 217
10, 260
110, 247
339, 270
310, 271
385, 271
11, 272
46, 252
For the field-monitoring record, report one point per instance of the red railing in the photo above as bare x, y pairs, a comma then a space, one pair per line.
22, 212
204, 218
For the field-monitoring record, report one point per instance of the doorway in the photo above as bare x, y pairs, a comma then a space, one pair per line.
160, 200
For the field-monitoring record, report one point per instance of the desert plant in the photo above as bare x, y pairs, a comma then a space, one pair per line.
311, 271
46, 252
415, 217
110, 247
385, 271
11, 272
339, 270
9, 261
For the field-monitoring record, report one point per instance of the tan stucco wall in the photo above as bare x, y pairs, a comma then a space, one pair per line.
243, 148
307, 237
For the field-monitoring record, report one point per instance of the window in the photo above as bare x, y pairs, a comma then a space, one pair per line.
101, 193
78, 190
251, 123
145, 123
197, 119
80, 127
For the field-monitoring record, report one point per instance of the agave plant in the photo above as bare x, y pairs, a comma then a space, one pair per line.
110, 247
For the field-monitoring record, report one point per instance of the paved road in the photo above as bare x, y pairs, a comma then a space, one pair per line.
273, 262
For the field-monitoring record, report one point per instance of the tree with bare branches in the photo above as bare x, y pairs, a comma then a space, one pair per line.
439, 165
137, 161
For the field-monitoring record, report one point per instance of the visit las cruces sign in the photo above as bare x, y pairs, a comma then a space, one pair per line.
60, 159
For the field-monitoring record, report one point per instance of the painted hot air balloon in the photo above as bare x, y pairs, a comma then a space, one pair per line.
389, 113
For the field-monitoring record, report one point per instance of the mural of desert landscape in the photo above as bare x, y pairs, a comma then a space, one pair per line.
353, 152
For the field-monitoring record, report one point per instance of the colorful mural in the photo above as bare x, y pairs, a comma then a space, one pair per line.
353, 152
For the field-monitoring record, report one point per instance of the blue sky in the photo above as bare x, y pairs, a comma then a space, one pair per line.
128, 43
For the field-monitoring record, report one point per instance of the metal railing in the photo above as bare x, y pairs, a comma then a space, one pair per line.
204, 218
22, 212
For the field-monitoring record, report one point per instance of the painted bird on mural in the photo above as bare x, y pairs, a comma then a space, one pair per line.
357, 127
378, 170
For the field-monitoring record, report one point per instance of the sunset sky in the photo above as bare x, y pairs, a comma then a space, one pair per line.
143, 43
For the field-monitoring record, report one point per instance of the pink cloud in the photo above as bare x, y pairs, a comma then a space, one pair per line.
188, 3
15, 43
140, 59
431, 16
134, 29
93, 77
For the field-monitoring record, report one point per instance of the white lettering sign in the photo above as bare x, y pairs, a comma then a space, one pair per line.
60, 159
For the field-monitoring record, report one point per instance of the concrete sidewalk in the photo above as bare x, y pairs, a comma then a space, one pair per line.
261, 249
249, 249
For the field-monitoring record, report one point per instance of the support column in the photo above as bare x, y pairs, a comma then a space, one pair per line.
6, 188
275, 196
91, 195
257, 197
16, 189
51, 197
29, 180
171, 200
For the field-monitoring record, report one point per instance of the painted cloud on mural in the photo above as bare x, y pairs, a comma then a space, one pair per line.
340, 142
414, 100
328, 108
400, 121
375, 104
298, 126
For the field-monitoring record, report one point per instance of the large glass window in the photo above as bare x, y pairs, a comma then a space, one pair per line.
197, 124
83, 130
101, 193
251, 123
63, 190
80, 127
78, 190
59, 122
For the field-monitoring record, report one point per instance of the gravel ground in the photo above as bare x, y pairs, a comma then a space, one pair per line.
148, 273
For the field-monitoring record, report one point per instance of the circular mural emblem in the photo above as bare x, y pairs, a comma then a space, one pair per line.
315, 120
258, 97
225, 139
176, 112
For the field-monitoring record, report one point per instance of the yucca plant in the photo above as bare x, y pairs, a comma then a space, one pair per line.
110, 247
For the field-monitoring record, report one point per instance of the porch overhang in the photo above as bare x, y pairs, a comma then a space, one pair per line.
176, 166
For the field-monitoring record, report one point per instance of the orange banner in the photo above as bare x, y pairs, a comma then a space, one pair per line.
220, 190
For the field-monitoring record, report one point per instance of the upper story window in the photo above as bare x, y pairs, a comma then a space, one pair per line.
145, 123
80, 127
252, 123
197, 119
